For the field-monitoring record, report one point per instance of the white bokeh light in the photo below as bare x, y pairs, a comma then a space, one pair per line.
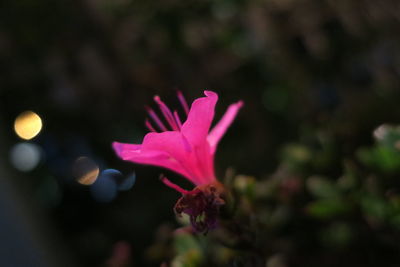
25, 156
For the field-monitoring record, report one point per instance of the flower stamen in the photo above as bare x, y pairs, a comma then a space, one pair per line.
149, 126
156, 119
177, 119
183, 102
167, 113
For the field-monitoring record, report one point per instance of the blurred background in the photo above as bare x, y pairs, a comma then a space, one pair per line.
317, 78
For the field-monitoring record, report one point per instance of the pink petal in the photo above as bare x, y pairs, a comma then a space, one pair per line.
201, 114
169, 150
178, 148
136, 154
219, 130
123, 149
170, 142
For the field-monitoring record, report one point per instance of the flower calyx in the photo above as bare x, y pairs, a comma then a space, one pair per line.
202, 204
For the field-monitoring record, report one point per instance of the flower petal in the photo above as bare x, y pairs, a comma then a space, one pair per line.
178, 148
201, 114
219, 130
123, 150
136, 154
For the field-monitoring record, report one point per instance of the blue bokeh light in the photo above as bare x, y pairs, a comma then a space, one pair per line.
128, 182
104, 189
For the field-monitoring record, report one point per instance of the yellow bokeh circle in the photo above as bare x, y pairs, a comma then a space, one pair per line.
27, 125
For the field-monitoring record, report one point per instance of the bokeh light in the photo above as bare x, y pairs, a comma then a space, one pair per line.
27, 125
85, 170
25, 156
105, 188
381, 131
109, 182
116, 175
127, 183
124, 183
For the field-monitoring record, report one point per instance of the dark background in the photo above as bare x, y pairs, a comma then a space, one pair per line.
88, 68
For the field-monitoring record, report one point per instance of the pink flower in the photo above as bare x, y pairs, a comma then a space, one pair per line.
186, 148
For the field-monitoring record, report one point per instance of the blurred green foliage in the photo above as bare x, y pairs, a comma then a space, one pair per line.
296, 215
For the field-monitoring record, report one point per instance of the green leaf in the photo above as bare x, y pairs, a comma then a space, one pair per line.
387, 158
337, 234
327, 208
321, 187
375, 206
296, 155
185, 242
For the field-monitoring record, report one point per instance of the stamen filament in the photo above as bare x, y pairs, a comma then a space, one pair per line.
177, 119
149, 126
172, 185
183, 102
167, 113
156, 119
